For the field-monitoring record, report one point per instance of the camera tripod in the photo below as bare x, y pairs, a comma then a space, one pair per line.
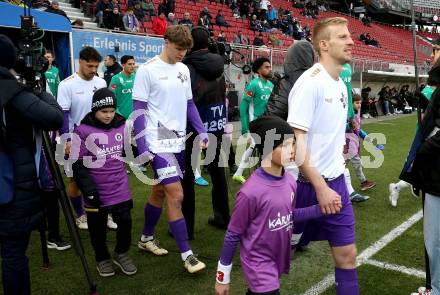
70, 220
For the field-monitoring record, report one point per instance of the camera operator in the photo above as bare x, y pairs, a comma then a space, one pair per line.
208, 88
24, 115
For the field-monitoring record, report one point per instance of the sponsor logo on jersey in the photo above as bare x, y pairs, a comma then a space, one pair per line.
249, 93
315, 72
114, 86
182, 77
118, 136
280, 222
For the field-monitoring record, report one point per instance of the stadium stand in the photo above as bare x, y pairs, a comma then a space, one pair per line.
395, 42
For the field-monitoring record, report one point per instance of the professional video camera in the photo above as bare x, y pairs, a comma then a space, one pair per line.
30, 67
31, 63
225, 50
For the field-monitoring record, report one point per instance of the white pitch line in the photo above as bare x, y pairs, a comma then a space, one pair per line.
399, 268
329, 280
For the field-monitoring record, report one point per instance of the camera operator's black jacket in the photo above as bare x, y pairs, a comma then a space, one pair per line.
425, 172
24, 111
208, 88
300, 57
116, 68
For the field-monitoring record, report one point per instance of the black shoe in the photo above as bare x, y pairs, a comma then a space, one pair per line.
58, 244
216, 223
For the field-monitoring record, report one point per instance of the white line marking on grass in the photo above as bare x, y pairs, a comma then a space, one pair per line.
329, 280
399, 268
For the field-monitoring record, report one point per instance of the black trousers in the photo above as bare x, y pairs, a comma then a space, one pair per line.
219, 193
52, 213
97, 222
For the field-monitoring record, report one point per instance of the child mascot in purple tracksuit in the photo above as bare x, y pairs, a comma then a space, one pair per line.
264, 213
101, 176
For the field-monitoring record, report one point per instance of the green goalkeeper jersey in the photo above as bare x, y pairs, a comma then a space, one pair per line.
52, 80
346, 77
122, 85
254, 101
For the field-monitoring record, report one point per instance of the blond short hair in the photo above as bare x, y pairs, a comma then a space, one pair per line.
321, 31
179, 35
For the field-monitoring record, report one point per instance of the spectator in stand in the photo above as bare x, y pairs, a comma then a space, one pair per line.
306, 33
78, 23
131, 23
205, 11
221, 38
171, 5
274, 40
240, 39
366, 21
220, 19
171, 19
384, 98
186, 21
115, 3
55, 8
205, 22
271, 15
163, 8
233, 5
160, 24
286, 26
264, 5
365, 107
104, 9
138, 12
258, 40
281, 11
254, 23
267, 27
114, 21
244, 8
148, 7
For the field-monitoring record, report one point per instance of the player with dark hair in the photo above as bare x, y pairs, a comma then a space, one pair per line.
253, 105
75, 98
162, 102
122, 85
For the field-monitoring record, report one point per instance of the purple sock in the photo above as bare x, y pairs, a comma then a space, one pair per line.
346, 281
151, 217
178, 229
77, 203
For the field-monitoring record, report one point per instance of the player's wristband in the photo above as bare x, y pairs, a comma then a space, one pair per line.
223, 275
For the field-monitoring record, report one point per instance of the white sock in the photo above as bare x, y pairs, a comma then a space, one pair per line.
348, 181
401, 185
197, 173
145, 238
185, 255
244, 161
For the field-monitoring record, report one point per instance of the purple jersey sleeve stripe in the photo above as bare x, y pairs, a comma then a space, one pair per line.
307, 213
229, 247
140, 125
194, 119
65, 128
